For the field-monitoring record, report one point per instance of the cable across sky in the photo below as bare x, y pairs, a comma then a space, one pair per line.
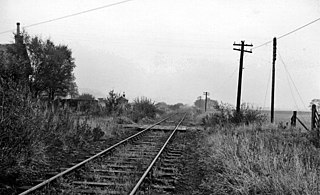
70, 15
288, 33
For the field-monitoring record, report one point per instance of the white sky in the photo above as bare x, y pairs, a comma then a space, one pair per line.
174, 50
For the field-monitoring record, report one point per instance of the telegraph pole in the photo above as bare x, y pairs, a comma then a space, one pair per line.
273, 77
205, 102
242, 50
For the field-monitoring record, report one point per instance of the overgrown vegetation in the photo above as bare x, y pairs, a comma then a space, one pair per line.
30, 133
242, 154
225, 114
33, 130
143, 108
259, 160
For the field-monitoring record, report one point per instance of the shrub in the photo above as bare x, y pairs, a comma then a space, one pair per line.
30, 134
22, 150
143, 107
225, 114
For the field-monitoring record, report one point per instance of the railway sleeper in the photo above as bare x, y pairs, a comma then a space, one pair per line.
164, 181
174, 153
166, 188
99, 184
96, 191
115, 172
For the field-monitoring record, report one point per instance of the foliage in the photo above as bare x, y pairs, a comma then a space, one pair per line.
112, 102
211, 104
143, 107
30, 134
116, 103
258, 160
20, 134
316, 102
52, 68
226, 114
14, 64
176, 107
86, 96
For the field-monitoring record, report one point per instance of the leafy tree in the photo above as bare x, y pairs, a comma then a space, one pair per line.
15, 64
86, 96
211, 104
315, 101
111, 102
176, 106
73, 90
52, 68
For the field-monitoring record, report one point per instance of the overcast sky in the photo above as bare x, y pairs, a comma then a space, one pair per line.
174, 50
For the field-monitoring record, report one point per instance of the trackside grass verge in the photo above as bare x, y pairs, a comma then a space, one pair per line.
259, 160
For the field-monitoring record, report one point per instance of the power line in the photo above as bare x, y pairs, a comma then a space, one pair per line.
70, 15
265, 96
288, 33
288, 74
227, 79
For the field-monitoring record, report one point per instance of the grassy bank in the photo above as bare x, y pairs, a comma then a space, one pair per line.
259, 160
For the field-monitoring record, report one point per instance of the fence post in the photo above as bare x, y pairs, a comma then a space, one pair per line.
313, 116
315, 122
294, 119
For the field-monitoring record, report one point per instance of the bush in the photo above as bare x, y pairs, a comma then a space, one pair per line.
30, 134
143, 108
226, 115
22, 150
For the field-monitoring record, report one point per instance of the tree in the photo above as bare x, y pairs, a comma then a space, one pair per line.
14, 63
86, 96
52, 68
176, 106
315, 101
211, 104
112, 103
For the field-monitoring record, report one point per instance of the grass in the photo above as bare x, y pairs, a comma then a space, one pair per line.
285, 116
259, 160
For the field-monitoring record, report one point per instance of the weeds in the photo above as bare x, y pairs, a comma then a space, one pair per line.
225, 114
259, 160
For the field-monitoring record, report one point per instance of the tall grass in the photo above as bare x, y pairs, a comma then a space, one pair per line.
32, 136
259, 160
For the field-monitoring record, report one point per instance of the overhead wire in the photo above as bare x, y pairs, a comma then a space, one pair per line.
293, 83
265, 96
227, 79
288, 33
70, 15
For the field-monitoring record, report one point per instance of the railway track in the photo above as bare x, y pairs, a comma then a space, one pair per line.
138, 164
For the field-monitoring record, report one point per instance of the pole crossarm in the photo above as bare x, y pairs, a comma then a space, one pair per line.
236, 44
242, 50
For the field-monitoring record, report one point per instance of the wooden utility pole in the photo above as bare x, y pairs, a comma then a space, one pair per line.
242, 50
273, 77
205, 101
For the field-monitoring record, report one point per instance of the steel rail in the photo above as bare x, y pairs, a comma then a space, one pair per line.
136, 187
42, 184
